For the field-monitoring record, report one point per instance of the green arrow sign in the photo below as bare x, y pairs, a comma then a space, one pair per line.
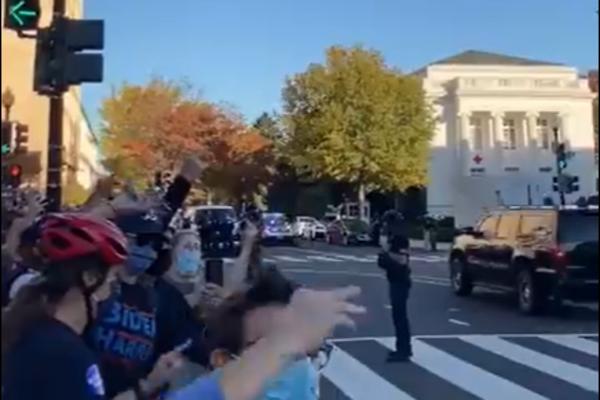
5, 149
20, 14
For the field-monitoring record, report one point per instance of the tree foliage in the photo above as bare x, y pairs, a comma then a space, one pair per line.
356, 120
149, 128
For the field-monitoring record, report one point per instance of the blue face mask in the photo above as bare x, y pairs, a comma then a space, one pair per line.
187, 263
140, 259
300, 380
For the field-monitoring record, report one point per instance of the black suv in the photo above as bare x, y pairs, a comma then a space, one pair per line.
542, 253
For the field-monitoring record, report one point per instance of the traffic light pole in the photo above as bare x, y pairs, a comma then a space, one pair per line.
559, 170
55, 135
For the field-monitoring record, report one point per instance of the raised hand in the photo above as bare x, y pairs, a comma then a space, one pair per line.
312, 315
192, 169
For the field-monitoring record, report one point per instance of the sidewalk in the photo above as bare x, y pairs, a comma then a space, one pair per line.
420, 244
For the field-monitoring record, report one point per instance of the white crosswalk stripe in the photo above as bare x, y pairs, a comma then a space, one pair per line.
328, 257
490, 367
580, 376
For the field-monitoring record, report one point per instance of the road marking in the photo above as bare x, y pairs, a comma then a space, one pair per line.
291, 259
575, 343
387, 306
461, 336
563, 370
468, 377
417, 279
324, 258
357, 381
459, 322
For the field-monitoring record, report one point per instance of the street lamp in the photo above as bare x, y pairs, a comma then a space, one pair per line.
8, 100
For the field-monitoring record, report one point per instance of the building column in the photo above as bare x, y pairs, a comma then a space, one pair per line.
563, 127
532, 128
498, 140
463, 129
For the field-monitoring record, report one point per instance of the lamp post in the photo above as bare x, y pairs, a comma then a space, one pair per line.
8, 101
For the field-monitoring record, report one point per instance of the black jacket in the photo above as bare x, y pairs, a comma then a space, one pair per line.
396, 270
51, 362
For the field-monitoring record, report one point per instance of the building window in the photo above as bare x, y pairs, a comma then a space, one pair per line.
510, 134
477, 134
543, 133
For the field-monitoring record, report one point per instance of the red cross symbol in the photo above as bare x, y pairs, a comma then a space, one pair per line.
477, 159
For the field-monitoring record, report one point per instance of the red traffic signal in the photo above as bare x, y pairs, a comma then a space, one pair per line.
15, 170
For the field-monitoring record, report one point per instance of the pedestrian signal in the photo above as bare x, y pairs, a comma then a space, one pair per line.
20, 15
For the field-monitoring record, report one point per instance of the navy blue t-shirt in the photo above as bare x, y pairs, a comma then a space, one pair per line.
51, 362
138, 325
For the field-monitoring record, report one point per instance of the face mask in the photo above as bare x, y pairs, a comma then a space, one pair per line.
383, 243
298, 381
140, 259
187, 263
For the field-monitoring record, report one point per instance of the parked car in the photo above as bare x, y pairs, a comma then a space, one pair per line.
219, 229
348, 231
309, 228
542, 254
277, 229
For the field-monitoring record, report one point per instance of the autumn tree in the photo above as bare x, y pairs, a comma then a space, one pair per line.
149, 128
132, 118
356, 120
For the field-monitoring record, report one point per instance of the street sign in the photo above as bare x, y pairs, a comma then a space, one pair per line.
21, 14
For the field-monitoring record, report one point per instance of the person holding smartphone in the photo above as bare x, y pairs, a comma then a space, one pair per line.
146, 317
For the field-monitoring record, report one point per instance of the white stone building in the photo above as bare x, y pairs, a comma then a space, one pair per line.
493, 143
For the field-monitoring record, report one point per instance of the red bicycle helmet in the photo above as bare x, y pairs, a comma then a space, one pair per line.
66, 236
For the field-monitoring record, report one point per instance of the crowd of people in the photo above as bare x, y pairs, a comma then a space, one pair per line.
109, 301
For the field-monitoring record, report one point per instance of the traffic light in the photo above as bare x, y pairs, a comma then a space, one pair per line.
60, 58
14, 175
7, 128
565, 183
561, 157
21, 15
573, 185
21, 138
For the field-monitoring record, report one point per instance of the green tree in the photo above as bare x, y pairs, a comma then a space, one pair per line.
354, 119
269, 126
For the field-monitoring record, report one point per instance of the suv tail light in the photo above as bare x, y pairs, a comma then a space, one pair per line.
559, 257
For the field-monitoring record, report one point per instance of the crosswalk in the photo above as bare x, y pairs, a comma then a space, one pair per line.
333, 258
465, 367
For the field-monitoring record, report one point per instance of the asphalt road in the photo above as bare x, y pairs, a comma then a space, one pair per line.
477, 347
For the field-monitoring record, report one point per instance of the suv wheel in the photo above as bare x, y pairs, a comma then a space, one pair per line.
462, 285
531, 298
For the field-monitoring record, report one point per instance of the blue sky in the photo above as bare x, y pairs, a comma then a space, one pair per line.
240, 51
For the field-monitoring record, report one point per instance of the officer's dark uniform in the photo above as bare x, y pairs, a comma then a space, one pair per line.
395, 262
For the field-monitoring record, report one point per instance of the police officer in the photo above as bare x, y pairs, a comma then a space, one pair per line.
394, 260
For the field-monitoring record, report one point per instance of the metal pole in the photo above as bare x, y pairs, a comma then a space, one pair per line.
55, 135
559, 169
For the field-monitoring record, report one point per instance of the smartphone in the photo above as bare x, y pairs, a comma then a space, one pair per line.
214, 271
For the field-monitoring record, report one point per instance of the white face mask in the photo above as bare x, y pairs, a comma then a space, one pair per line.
187, 256
383, 243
